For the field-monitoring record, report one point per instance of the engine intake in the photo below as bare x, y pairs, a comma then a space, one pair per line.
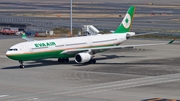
82, 57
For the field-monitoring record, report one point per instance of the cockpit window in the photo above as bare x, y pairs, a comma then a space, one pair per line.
13, 49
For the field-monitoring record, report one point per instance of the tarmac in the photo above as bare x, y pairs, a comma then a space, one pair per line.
119, 75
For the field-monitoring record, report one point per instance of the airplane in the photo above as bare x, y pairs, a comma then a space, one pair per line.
82, 48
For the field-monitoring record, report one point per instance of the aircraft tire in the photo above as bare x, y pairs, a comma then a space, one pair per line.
63, 60
93, 61
66, 59
21, 66
59, 60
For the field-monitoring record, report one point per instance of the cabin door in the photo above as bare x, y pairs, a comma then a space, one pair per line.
89, 43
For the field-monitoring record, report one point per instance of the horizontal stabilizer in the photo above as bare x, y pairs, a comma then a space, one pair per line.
170, 42
146, 33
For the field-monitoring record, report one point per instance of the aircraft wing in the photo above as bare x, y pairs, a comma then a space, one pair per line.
99, 49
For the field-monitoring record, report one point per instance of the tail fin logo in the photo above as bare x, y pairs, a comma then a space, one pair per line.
126, 21
125, 25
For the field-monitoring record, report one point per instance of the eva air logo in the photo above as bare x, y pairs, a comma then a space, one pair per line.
127, 21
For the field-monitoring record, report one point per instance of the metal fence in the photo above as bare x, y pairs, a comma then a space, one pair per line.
45, 24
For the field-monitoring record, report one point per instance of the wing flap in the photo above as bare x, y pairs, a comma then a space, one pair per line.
146, 33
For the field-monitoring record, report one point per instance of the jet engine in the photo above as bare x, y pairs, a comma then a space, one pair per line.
82, 57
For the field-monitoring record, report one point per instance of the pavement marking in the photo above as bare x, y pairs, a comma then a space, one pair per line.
99, 91
109, 86
23, 99
3, 56
133, 84
89, 89
125, 82
80, 87
124, 87
33, 99
2, 96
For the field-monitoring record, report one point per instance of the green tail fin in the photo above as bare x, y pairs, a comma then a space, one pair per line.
126, 23
170, 42
23, 35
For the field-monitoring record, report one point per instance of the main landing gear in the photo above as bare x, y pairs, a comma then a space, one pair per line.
92, 61
62, 60
21, 66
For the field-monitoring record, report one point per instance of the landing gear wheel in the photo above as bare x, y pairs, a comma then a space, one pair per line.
59, 60
89, 62
62, 60
66, 59
21, 66
93, 61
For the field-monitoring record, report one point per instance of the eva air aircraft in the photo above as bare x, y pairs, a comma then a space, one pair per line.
81, 48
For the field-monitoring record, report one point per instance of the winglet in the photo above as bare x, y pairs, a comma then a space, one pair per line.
170, 42
23, 35
25, 38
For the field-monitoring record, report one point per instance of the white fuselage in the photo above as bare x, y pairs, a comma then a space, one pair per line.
66, 44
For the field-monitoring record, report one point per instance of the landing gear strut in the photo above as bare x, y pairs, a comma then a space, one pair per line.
21, 66
92, 61
61, 60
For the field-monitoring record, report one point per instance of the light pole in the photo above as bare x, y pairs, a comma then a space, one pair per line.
71, 16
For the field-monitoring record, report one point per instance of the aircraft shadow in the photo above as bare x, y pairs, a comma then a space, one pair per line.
107, 57
40, 63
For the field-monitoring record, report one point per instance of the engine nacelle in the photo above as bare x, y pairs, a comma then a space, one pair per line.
82, 57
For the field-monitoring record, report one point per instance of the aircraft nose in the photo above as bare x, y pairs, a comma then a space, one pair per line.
10, 55
7, 53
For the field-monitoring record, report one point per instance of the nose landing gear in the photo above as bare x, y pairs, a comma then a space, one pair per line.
21, 66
